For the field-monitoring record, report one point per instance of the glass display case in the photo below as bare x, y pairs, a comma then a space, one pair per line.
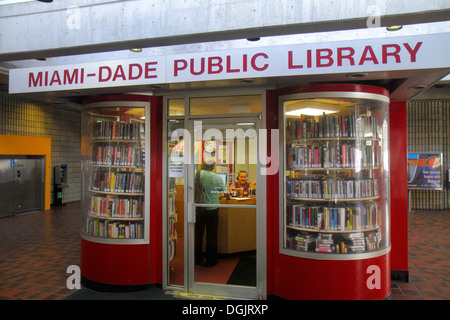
335, 177
113, 168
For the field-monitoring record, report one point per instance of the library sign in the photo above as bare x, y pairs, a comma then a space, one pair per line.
367, 55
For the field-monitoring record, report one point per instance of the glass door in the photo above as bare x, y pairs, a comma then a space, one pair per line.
222, 208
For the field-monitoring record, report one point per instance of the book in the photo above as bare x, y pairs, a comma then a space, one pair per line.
117, 182
117, 130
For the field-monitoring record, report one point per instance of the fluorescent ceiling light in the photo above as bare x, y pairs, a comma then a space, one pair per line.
309, 112
245, 123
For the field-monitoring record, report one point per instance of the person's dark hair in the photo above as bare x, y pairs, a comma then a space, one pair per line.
208, 166
239, 173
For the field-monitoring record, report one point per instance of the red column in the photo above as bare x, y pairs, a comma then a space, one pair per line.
399, 187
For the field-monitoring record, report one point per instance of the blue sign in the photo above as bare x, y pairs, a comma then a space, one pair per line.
12, 163
425, 170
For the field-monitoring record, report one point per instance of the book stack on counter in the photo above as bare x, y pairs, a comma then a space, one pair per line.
305, 242
331, 126
373, 240
325, 243
354, 242
302, 242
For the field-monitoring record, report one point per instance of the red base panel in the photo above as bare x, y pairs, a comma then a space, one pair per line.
308, 279
115, 264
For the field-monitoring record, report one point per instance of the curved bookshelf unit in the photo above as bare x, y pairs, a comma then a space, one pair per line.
335, 177
115, 196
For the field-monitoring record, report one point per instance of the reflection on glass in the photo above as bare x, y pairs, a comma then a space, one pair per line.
336, 186
175, 202
176, 107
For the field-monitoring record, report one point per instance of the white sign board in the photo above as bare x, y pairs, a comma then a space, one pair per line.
367, 55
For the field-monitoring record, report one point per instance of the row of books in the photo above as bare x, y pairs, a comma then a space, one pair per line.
122, 155
332, 188
172, 231
358, 242
329, 155
118, 130
114, 229
125, 182
333, 219
331, 126
171, 203
117, 207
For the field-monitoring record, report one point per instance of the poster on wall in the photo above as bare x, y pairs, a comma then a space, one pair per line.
425, 170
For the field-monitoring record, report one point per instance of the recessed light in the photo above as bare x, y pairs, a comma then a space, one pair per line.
136, 50
357, 75
309, 112
394, 28
246, 81
41, 59
254, 39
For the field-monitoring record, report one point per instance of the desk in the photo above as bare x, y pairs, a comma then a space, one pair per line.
237, 227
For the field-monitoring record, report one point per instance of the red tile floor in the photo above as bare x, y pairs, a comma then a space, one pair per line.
36, 249
429, 258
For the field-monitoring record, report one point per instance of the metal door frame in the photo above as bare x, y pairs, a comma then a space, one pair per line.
213, 288
260, 291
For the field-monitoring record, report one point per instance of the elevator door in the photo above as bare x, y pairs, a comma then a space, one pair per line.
6, 187
21, 184
28, 185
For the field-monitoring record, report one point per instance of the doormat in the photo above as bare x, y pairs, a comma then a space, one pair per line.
244, 274
193, 296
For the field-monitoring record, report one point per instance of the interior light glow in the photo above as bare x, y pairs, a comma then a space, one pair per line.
309, 112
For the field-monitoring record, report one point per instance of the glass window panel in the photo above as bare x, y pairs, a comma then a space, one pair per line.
336, 176
113, 164
176, 107
224, 105
225, 174
175, 202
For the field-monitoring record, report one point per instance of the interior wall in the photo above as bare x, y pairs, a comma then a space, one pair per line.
23, 117
429, 131
23, 145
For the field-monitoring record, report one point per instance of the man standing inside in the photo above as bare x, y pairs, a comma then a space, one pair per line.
212, 186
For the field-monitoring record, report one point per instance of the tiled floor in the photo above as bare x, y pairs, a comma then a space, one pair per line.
36, 249
429, 258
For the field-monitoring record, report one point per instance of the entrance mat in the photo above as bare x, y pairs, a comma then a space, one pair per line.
193, 296
244, 274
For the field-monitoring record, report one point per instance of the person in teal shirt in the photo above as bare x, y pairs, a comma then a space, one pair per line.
209, 187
